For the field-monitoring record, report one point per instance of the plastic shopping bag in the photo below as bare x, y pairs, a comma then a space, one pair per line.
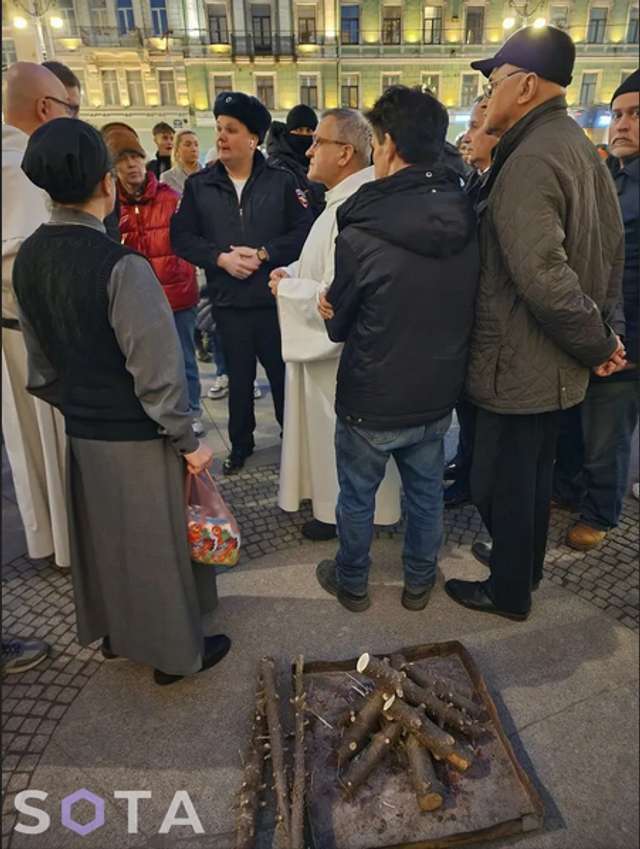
213, 533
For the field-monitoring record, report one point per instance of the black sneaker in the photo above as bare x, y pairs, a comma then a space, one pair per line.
415, 600
318, 531
215, 649
326, 575
21, 655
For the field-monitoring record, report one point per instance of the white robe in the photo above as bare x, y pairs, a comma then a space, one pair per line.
308, 464
33, 431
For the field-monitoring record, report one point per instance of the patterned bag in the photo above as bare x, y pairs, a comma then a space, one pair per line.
213, 533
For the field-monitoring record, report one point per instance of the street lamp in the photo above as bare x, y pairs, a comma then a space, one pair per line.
509, 23
539, 23
525, 10
36, 10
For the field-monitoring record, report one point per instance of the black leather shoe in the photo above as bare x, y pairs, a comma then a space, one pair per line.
235, 462
415, 601
457, 495
473, 594
326, 575
215, 649
105, 649
318, 531
482, 552
452, 471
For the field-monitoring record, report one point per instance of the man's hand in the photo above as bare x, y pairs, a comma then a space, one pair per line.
198, 460
616, 362
324, 308
274, 279
239, 262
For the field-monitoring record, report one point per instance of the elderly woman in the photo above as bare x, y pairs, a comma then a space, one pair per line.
103, 348
186, 160
239, 219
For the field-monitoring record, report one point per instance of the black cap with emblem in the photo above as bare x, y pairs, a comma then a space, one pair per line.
547, 51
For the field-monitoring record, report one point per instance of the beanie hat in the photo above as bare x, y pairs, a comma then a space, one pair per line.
245, 108
301, 116
632, 83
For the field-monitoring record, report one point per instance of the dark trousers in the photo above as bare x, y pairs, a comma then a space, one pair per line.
466, 414
247, 335
594, 450
511, 482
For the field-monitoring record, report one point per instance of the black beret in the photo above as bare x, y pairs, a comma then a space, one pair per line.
67, 158
246, 109
547, 51
632, 83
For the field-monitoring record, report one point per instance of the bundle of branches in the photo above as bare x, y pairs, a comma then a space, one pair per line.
267, 743
409, 708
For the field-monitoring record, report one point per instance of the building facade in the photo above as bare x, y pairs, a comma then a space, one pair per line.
167, 59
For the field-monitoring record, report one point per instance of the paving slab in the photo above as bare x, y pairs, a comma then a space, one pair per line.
563, 682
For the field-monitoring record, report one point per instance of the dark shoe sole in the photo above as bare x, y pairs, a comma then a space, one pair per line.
319, 531
415, 602
514, 617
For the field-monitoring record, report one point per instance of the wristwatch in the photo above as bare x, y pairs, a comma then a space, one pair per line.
263, 254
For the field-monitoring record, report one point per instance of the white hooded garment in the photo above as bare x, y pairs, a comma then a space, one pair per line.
308, 464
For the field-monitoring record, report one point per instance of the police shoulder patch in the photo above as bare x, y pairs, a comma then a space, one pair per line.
302, 198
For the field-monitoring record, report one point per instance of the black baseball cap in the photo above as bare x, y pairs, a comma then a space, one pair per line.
547, 51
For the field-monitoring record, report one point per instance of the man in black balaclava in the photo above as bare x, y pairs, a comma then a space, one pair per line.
287, 146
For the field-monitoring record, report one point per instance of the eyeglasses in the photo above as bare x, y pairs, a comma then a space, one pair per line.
492, 85
317, 141
72, 109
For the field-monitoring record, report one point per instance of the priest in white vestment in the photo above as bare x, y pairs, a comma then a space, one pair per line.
33, 431
340, 156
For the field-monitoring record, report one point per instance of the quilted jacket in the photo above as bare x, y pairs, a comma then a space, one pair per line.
144, 226
552, 252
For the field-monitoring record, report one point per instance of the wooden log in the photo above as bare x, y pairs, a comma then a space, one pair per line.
362, 767
430, 792
283, 823
441, 711
252, 778
445, 690
358, 732
299, 776
443, 745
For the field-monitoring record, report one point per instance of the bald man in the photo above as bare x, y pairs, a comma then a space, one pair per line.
33, 431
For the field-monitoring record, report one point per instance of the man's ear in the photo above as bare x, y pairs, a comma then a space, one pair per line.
529, 89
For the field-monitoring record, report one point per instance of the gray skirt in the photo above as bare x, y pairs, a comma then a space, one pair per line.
133, 578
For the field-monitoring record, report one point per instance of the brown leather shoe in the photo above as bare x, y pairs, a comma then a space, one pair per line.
582, 537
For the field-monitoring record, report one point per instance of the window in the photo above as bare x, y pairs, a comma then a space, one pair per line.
265, 91
309, 91
391, 24
221, 82
167, 84
559, 16
159, 21
261, 28
126, 20
9, 55
588, 89
597, 25
110, 90
135, 88
66, 10
307, 25
632, 26
432, 25
350, 92
474, 30
350, 24
218, 26
99, 14
432, 83
389, 80
469, 89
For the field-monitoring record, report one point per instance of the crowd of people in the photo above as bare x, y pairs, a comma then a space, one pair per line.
380, 281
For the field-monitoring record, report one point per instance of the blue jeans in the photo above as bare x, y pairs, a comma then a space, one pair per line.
594, 450
186, 326
362, 457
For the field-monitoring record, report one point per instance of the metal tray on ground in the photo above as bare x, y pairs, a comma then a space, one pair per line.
493, 799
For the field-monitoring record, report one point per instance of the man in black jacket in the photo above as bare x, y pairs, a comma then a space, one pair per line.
402, 299
240, 219
163, 134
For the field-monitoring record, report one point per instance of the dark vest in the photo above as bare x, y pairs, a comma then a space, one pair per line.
60, 279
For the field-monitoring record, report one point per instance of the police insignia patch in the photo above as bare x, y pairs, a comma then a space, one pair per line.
302, 197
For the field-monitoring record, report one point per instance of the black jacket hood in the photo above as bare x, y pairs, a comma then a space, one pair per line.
421, 208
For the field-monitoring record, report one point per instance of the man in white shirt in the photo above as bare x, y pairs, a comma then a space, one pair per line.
340, 156
33, 431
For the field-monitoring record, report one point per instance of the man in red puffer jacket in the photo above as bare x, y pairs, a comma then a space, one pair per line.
146, 208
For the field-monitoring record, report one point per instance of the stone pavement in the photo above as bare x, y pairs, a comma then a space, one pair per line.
564, 682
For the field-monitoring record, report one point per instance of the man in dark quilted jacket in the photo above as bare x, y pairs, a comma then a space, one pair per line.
552, 247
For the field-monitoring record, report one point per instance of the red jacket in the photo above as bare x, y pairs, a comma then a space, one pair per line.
144, 226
